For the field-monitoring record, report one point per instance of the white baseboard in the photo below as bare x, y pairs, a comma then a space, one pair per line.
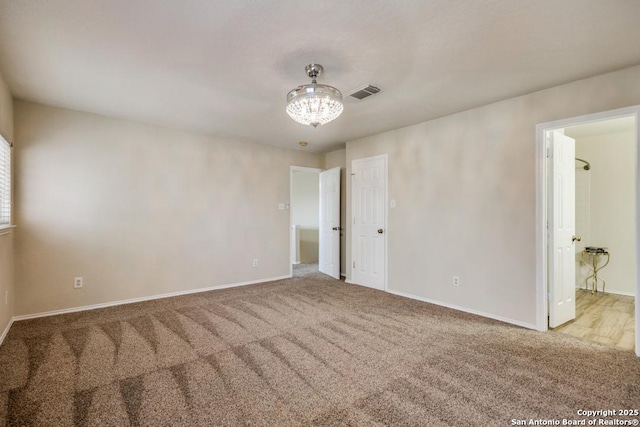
142, 299
466, 310
6, 331
627, 294
457, 307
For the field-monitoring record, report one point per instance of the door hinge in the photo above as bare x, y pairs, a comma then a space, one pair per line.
548, 152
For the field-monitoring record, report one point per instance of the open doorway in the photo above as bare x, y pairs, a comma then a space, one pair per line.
605, 265
587, 250
316, 228
304, 211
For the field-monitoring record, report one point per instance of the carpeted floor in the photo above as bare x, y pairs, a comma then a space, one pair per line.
305, 351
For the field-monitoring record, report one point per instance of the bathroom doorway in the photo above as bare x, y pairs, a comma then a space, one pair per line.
591, 277
605, 264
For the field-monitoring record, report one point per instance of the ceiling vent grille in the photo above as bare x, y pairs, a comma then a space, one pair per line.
364, 92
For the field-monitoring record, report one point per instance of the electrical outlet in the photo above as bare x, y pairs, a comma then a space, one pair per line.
77, 282
455, 281
255, 262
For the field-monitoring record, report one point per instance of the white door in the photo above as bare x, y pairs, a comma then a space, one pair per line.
562, 264
369, 235
329, 249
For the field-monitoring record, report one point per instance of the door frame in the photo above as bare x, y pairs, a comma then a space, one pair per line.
293, 169
384, 157
542, 194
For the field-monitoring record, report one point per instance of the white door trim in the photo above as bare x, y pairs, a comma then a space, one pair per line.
385, 157
542, 214
291, 170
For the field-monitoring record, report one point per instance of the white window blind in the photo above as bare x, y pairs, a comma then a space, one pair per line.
5, 182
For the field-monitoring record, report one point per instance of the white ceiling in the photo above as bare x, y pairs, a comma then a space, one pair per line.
224, 67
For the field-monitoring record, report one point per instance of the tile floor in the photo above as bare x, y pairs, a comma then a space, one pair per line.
604, 318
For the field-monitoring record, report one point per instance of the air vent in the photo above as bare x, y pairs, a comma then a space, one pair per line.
364, 92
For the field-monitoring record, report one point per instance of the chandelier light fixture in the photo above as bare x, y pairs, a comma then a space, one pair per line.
314, 104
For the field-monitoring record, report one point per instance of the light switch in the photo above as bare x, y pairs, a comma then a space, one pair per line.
280, 206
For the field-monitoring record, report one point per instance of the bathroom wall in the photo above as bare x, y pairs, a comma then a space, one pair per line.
583, 210
610, 219
610, 204
305, 206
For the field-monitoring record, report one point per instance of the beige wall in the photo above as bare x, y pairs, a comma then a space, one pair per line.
612, 204
465, 187
332, 160
140, 210
6, 239
305, 199
309, 245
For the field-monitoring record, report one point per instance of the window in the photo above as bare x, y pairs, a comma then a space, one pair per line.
5, 182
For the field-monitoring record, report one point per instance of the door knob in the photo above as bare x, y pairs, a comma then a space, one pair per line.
576, 238
336, 228
380, 231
